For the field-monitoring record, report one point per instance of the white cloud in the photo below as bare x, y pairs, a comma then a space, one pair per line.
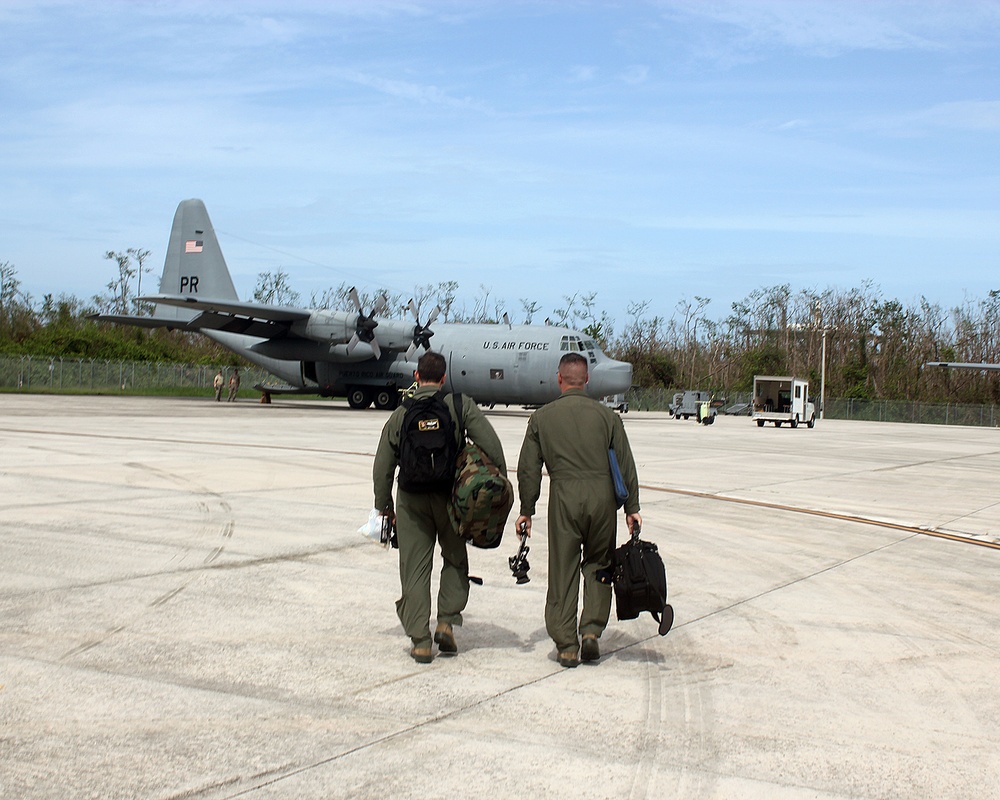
969, 115
829, 27
408, 90
583, 73
635, 74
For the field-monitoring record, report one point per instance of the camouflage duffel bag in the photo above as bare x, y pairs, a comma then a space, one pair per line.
481, 499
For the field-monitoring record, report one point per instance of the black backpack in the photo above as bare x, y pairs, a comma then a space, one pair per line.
428, 445
640, 582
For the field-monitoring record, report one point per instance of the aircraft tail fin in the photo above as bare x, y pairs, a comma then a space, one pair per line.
194, 265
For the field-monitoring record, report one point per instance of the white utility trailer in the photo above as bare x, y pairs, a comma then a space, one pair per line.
780, 399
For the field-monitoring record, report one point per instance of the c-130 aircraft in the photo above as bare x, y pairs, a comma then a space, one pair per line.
351, 354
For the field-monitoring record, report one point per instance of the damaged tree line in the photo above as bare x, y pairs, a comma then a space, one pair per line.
875, 347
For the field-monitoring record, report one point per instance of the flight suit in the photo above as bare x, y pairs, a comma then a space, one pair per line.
571, 435
422, 518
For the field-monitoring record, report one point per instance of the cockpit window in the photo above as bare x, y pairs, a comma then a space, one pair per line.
589, 345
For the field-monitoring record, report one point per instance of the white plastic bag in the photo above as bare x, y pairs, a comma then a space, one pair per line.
372, 529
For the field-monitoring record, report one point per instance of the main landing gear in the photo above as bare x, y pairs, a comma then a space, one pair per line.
385, 398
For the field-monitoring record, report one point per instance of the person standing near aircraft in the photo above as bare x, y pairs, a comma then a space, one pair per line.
234, 385
217, 384
422, 517
571, 436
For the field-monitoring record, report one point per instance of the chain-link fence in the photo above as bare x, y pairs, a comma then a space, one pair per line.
986, 416
33, 373
660, 399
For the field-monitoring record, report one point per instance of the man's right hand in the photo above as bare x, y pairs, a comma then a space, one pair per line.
523, 523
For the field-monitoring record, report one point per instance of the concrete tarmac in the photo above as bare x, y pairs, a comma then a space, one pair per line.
188, 611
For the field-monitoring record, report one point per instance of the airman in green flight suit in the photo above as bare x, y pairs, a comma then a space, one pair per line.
571, 436
423, 518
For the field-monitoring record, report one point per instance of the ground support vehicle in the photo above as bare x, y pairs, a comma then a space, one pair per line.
781, 399
617, 402
694, 403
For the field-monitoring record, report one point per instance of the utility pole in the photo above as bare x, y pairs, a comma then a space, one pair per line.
822, 379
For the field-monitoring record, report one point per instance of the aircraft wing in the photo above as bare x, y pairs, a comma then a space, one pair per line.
141, 322
232, 316
962, 365
255, 311
202, 322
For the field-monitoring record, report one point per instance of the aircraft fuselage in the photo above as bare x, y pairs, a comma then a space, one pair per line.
495, 364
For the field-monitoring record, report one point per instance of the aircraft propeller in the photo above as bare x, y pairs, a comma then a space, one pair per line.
366, 324
421, 333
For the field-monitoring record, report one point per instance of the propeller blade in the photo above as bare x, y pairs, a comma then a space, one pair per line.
373, 343
421, 333
364, 327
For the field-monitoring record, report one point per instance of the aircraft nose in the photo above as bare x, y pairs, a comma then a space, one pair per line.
611, 377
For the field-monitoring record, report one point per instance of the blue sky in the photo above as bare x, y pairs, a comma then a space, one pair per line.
645, 151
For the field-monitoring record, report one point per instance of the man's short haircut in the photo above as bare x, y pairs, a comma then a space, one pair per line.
573, 368
432, 367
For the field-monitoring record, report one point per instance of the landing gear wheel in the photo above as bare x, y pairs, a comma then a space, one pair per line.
386, 399
359, 397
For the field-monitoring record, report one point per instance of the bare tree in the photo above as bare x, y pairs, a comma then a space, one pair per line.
10, 289
16, 317
120, 288
139, 257
530, 308
444, 297
275, 289
486, 310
